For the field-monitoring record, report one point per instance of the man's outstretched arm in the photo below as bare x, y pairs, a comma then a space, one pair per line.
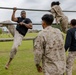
13, 18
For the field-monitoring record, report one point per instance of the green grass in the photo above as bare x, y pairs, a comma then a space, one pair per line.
23, 63
10, 36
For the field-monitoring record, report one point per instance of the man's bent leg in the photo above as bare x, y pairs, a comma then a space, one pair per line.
11, 28
12, 54
17, 42
64, 24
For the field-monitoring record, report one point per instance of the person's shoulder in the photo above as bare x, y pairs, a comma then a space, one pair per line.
19, 18
28, 19
57, 30
44, 32
69, 30
41, 33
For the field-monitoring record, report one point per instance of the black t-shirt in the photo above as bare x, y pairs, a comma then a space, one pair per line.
21, 28
71, 39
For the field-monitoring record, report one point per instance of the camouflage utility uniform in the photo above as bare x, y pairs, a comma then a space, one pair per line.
49, 49
60, 17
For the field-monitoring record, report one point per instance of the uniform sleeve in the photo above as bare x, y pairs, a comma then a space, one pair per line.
68, 40
38, 49
53, 12
28, 21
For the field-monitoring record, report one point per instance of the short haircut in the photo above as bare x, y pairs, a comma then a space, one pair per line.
55, 3
48, 18
23, 12
73, 22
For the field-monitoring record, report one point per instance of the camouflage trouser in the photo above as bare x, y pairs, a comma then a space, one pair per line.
64, 24
17, 38
69, 63
52, 69
17, 42
52, 74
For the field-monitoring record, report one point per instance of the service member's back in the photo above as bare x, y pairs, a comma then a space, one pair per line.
49, 48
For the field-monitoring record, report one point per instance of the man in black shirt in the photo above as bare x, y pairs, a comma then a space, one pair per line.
70, 44
19, 32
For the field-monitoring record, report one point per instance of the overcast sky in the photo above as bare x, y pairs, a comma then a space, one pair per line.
35, 4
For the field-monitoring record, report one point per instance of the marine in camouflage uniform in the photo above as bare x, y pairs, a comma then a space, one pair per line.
49, 49
60, 17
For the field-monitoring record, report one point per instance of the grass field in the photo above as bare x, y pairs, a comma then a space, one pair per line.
23, 63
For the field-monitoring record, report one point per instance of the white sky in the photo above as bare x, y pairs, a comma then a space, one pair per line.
35, 4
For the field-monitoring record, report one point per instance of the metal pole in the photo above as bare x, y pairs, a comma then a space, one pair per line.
24, 9
33, 9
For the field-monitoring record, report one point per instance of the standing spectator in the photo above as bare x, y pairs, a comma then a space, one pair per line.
49, 49
70, 44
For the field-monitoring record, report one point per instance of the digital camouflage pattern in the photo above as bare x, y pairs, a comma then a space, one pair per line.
49, 49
